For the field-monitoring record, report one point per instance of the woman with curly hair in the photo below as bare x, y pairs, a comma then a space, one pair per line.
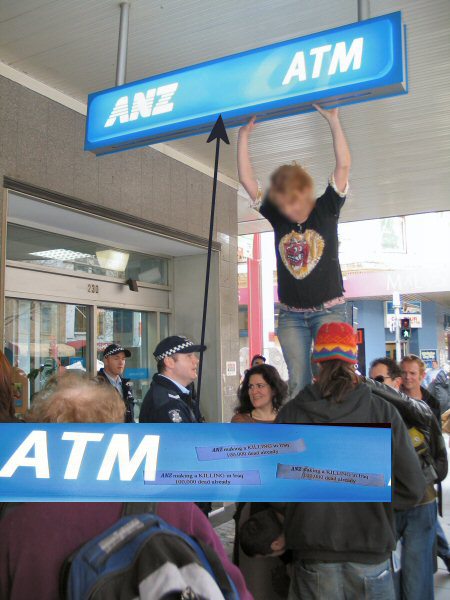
260, 396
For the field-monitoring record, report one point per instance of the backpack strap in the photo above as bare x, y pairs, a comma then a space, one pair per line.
138, 508
222, 578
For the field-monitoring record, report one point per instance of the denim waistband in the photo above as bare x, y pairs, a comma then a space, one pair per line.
325, 305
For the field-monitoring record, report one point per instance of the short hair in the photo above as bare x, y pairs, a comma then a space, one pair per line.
257, 534
393, 368
256, 357
413, 358
288, 178
77, 398
270, 376
161, 365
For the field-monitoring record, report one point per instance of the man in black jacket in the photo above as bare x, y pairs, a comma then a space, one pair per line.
360, 533
413, 372
419, 525
418, 415
343, 547
114, 360
169, 399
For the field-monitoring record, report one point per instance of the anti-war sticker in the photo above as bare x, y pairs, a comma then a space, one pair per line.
303, 472
108, 462
199, 478
249, 450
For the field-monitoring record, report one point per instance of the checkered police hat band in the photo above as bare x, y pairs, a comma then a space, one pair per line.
114, 351
175, 349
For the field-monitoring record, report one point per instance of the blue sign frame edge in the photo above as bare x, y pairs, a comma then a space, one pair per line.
203, 125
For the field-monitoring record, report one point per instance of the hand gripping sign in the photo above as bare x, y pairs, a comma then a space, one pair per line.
194, 462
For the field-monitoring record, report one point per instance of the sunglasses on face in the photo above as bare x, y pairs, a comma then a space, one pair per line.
381, 379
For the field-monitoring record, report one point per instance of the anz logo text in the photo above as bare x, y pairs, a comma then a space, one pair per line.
155, 101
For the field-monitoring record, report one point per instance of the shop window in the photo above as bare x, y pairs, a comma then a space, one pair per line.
55, 251
43, 339
164, 328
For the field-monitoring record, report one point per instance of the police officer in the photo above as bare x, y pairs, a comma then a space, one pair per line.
169, 399
114, 359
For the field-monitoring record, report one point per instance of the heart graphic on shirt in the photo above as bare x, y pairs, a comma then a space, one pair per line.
300, 252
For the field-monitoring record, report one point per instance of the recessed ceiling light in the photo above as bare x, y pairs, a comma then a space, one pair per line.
61, 254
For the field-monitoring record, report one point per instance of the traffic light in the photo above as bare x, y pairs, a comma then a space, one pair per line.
405, 329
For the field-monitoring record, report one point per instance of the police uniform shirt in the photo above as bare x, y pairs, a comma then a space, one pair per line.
166, 402
124, 388
183, 389
117, 383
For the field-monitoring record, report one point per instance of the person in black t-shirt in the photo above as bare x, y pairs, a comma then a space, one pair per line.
310, 286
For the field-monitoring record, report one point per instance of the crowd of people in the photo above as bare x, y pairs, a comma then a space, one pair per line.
297, 550
291, 550
390, 549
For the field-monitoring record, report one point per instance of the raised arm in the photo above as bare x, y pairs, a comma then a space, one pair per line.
341, 149
245, 170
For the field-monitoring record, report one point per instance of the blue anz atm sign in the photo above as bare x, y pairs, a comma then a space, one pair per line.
357, 62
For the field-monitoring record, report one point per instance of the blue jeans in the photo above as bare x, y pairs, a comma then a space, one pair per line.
443, 549
417, 529
313, 580
296, 332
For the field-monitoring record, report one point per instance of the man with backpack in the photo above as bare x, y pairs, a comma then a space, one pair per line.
416, 526
103, 550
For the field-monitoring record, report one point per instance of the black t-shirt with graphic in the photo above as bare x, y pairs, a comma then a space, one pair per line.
308, 267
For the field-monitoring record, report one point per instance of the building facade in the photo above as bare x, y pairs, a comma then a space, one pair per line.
79, 232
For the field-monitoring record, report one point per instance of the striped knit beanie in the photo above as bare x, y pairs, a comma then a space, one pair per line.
335, 341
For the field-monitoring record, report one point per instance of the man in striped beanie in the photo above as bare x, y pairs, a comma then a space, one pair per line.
336, 341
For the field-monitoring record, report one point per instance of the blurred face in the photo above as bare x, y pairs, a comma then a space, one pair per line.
258, 361
115, 364
380, 373
296, 204
412, 377
182, 368
260, 392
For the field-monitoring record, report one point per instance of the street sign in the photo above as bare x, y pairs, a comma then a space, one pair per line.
411, 310
428, 356
354, 63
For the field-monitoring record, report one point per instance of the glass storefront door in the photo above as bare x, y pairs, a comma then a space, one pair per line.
45, 338
42, 339
68, 295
